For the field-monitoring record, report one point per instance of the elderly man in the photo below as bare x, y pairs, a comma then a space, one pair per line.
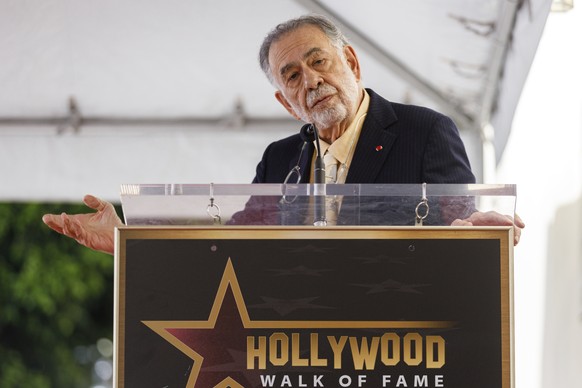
318, 80
369, 139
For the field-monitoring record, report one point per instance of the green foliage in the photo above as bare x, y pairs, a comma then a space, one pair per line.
55, 295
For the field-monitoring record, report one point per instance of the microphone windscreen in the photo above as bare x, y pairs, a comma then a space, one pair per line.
307, 133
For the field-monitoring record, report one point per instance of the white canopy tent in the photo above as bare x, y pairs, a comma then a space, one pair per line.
95, 94
171, 92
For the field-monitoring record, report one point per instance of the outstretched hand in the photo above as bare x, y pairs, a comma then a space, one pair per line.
93, 230
492, 218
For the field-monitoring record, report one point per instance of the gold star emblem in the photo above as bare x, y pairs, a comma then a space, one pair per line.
175, 332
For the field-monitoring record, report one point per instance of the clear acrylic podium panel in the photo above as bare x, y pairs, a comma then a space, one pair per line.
279, 204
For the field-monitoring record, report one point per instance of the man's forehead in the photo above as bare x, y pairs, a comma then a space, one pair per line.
293, 47
304, 39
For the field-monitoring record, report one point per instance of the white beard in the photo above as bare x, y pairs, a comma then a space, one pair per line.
328, 117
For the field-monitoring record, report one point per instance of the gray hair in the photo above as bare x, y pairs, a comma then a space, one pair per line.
334, 34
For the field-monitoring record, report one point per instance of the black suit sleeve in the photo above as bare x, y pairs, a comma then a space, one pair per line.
262, 167
444, 158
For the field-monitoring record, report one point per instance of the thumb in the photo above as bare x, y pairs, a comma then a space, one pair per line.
94, 202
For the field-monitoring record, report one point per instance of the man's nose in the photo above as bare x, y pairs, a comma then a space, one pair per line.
312, 79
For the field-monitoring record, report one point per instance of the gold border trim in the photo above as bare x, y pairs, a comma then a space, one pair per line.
503, 234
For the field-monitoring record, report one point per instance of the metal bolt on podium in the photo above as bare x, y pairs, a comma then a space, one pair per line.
213, 209
422, 204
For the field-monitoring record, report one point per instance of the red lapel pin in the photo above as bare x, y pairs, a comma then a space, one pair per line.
379, 148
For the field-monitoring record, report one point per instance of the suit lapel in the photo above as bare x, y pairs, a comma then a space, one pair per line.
375, 142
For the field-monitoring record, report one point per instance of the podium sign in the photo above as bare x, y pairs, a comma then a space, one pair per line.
314, 307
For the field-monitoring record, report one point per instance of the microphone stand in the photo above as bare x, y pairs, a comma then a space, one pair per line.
319, 187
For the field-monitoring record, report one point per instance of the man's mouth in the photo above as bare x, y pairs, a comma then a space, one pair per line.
321, 100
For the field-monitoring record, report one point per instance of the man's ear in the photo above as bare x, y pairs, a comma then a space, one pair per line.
283, 101
353, 61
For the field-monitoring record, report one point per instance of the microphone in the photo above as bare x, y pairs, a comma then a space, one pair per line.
309, 134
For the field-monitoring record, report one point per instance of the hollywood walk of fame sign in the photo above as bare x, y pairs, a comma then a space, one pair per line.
313, 307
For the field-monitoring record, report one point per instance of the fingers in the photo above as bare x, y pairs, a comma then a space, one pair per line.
54, 222
519, 224
70, 228
518, 221
94, 202
490, 218
459, 222
61, 223
516, 235
493, 218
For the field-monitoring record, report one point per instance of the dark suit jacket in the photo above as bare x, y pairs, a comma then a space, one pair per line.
417, 145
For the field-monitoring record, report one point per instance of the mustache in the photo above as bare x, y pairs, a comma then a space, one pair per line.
321, 92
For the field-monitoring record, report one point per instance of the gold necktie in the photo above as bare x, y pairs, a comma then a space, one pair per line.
330, 167
331, 205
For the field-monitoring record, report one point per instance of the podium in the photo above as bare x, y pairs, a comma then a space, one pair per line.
233, 286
